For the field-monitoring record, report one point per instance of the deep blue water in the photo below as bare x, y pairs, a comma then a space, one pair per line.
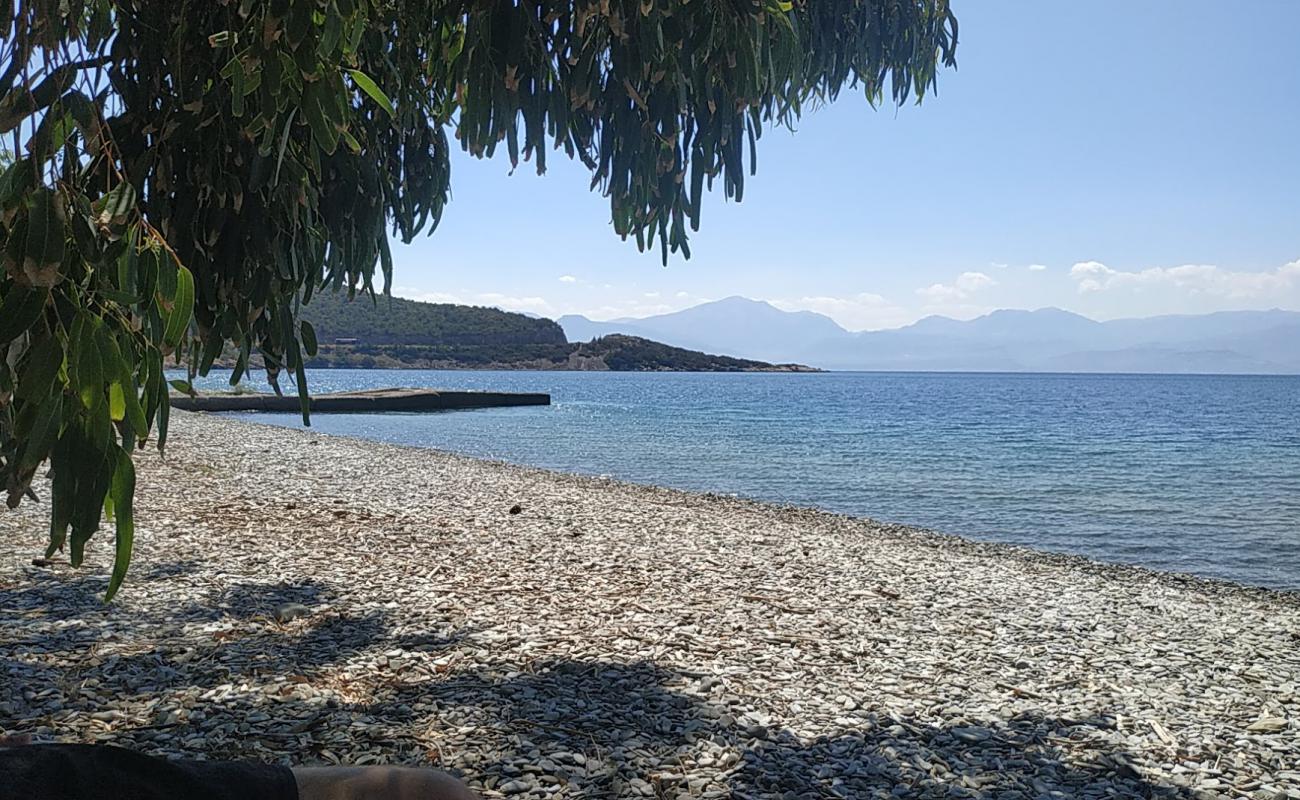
1195, 474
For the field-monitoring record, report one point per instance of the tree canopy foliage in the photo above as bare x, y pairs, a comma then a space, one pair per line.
189, 173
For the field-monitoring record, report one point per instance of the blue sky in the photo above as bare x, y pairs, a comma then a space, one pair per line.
1112, 158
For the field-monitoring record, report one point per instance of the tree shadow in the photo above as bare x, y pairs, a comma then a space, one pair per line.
607, 730
247, 600
53, 597
266, 690
123, 655
168, 569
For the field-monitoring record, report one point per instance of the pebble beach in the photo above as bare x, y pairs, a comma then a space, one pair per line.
301, 598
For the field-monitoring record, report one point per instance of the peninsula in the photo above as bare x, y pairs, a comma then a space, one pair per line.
396, 333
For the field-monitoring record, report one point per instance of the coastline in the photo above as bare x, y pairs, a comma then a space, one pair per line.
615, 639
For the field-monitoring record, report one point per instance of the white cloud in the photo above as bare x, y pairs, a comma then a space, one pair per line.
1037, 267
1190, 279
568, 279
962, 288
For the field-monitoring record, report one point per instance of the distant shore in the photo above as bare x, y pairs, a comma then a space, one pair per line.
607, 354
304, 598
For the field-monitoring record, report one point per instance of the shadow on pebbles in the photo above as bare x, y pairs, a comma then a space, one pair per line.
305, 599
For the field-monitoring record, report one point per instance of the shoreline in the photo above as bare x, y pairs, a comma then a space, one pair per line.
621, 640
881, 527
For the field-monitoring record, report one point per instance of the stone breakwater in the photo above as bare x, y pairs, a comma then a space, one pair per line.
306, 599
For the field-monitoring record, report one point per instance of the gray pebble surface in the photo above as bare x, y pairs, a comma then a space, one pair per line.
302, 599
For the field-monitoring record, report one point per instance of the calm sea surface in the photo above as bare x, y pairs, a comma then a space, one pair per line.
1190, 473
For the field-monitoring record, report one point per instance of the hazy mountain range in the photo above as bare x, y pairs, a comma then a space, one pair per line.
1048, 339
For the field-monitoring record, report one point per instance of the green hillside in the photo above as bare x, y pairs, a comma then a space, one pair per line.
394, 320
634, 354
394, 333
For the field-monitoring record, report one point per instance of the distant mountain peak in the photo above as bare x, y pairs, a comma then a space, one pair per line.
1048, 338
736, 325
736, 303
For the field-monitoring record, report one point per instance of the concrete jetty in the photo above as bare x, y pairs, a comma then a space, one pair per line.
374, 400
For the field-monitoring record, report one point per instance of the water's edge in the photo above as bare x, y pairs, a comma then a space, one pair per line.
897, 530
1187, 475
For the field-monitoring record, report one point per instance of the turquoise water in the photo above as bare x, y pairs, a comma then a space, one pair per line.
1195, 474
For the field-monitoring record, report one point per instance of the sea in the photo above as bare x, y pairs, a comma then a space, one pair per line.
1187, 473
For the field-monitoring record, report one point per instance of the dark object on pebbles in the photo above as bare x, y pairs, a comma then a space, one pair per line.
516, 509
43, 562
291, 611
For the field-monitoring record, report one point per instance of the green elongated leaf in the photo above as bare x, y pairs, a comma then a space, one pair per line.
44, 361
99, 430
17, 241
16, 180
212, 347
309, 339
55, 130
235, 66
284, 143
43, 434
46, 233
149, 387
322, 130
88, 367
293, 360
351, 141
134, 410
128, 270
330, 35
122, 492
93, 481
84, 237
697, 188
299, 22
300, 374
386, 263
21, 308
123, 398
63, 489
115, 207
367, 85
183, 387
163, 398
86, 116
237, 88
147, 273
167, 271
354, 35
182, 308
116, 402
241, 363
116, 369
